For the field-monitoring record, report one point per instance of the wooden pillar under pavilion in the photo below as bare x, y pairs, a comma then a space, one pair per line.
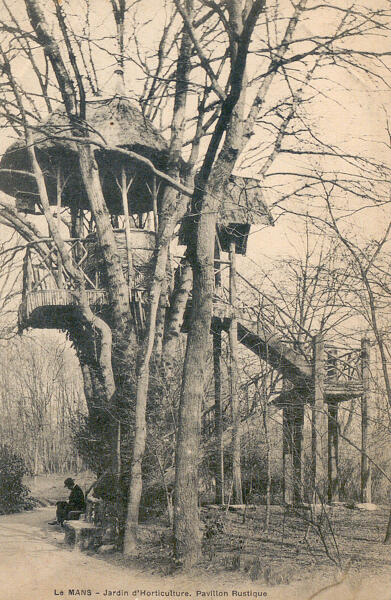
319, 421
333, 432
297, 450
60, 271
125, 208
218, 416
287, 457
233, 374
366, 480
332, 453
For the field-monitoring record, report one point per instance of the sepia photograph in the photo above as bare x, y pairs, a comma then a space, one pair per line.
195, 299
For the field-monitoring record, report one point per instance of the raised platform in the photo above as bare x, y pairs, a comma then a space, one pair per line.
58, 309
333, 392
51, 309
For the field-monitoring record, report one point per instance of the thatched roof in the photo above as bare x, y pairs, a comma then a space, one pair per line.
114, 122
243, 202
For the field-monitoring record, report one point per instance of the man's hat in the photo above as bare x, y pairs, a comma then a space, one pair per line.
69, 481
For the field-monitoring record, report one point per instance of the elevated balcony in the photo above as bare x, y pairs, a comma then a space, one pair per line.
48, 297
343, 379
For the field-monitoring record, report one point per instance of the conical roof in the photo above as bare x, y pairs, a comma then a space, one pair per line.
242, 205
113, 122
243, 202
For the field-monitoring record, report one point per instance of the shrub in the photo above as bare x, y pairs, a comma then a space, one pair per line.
13, 494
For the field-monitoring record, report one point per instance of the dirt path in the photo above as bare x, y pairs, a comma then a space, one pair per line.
36, 565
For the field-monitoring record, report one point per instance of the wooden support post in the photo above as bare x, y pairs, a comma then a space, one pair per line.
27, 272
366, 480
332, 427
60, 272
217, 267
218, 417
319, 426
287, 462
297, 450
124, 196
332, 453
233, 371
154, 204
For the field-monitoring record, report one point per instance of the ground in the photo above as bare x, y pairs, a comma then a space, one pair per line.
284, 563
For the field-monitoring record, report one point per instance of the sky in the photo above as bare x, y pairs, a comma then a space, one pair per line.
347, 109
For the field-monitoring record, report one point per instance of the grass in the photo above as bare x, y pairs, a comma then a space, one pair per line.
48, 489
291, 551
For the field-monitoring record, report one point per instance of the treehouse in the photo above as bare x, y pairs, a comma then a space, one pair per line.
110, 123
131, 193
317, 376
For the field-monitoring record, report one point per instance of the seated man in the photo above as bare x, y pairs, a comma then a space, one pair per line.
75, 502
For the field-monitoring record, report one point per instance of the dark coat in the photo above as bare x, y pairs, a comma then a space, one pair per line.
76, 499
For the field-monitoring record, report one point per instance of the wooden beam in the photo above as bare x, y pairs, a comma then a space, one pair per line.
297, 450
218, 416
332, 453
366, 480
287, 462
319, 426
233, 374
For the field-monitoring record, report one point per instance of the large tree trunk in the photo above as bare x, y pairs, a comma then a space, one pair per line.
186, 523
117, 288
205, 203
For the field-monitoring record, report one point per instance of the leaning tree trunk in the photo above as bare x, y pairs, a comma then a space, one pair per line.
171, 209
179, 298
135, 486
166, 230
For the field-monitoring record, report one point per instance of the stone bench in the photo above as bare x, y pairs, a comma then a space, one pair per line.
82, 535
74, 515
82, 530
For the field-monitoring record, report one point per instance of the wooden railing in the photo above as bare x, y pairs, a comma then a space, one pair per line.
343, 365
43, 268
